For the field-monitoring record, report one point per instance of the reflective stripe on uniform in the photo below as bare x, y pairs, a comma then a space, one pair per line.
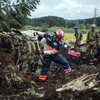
50, 48
67, 70
42, 77
95, 59
54, 50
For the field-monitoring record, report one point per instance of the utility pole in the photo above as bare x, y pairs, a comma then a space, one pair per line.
95, 14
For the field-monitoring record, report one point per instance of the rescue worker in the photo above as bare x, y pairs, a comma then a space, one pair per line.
25, 54
42, 44
51, 53
15, 43
92, 41
78, 37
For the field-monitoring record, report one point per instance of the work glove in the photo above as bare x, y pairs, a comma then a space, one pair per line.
65, 46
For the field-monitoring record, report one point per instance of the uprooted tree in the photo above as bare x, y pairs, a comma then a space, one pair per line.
14, 13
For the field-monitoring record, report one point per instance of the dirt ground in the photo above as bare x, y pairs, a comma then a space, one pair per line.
16, 90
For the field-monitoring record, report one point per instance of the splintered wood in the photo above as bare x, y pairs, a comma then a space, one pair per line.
88, 79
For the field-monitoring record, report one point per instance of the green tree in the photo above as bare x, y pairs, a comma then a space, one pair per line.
50, 20
44, 27
88, 26
15, 13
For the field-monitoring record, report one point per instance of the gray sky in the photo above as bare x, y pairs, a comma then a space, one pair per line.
67, 9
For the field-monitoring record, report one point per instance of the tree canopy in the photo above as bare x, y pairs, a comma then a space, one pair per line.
49, 20
15, 13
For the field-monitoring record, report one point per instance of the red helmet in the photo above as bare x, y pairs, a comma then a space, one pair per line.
59, 33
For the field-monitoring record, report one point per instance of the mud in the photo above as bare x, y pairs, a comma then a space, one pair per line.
16, 90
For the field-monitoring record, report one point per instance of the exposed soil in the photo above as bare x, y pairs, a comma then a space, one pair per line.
16, 90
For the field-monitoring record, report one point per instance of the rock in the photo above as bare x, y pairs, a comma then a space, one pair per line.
79, 85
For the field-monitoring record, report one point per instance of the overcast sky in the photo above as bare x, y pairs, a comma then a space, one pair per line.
67, 9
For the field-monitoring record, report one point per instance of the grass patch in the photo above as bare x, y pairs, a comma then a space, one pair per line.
69, 36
